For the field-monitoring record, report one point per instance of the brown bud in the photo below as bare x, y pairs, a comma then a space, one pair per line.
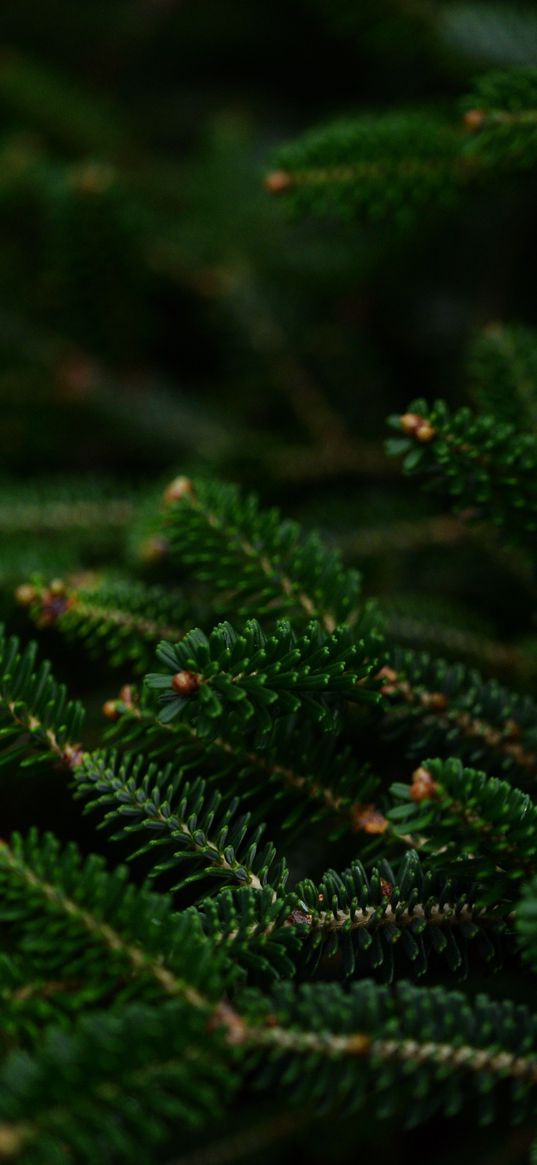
299, 918
57, 587
111, 710
278, 182
423, 787
368, 819
410, 423
153, 549
185, 683
437, 701
179, 488
25, 594
512, 729
415, 426
425, 432
386, 888
128, 695
474, 119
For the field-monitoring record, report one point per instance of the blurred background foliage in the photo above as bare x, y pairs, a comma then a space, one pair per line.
160, 312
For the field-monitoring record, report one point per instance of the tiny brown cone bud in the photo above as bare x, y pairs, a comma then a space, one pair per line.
278, 182
57, 586
425, 432
368, 819
180, 487
185, 683
25, 594
111, 710
423, 787
474, 119
437, 701
410, 423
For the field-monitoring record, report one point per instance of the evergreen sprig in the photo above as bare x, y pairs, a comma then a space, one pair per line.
483, 462
135, 1074
252, 679
447, 708
37, 720
455, 810
386, 920
294, 768
256, 563
122, 617
389, 1049
74, 922
204, 831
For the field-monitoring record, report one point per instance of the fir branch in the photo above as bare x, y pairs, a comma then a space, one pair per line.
502, 369
125, 618
450, 708
184, 817
72, 919
252, 679
259, 563
359, 921
482, 461
36, 718
415, 913
136, 1073
296, 765
392, 1048
456, 810
501, 115
375, 167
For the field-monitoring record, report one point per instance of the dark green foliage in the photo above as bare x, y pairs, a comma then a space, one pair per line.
122, 617
252, 679
393, 166
162, 313
73, 922
140, 1070
481, 461
462, 811
294, 768
502, 367
507, 102
196, 824
258, 564
397, 919
390, 1048
527, 922
447, 708
36, 716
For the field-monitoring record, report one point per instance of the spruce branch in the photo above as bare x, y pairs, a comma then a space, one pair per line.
374, 167
123, 617
72, 919
456, 810
502, 370
483, 462
296, 766
193, 825
37, 721
137, 1073
252, 679
392, 1048
259, 564
447, 707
